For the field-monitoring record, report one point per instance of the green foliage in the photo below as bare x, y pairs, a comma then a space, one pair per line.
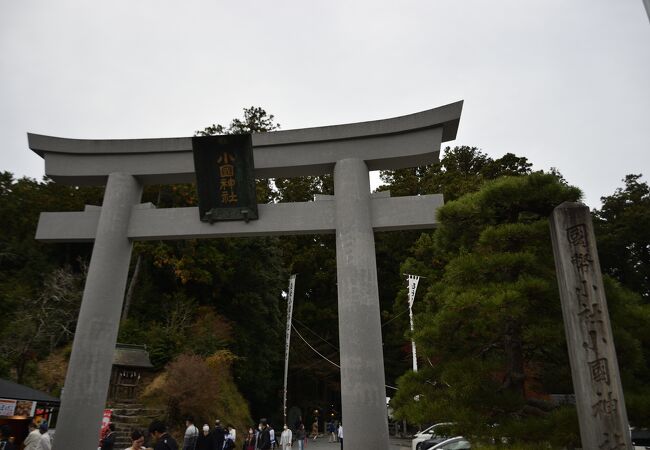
255, 120
556, 430
313, 259
621, 227
492, 328
460, 171
624, 253
630, 314
214, 294
507, 200
32, 274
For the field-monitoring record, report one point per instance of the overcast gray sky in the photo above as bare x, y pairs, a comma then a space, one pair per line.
565, 83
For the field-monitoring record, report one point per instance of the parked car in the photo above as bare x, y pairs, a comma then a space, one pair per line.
439, 430
455, 443
640, 439
431, 442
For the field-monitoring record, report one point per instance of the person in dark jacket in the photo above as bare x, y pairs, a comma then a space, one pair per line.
218, 435
301, 436
108, 443
264, 437
205, 441
163, 440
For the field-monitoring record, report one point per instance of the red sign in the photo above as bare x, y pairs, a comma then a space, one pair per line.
108, 413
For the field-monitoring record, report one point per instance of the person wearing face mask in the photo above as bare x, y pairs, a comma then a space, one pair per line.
250, 440
205, 441
264, 437
285, 438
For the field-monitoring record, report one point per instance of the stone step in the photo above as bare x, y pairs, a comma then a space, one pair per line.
118, 418
138, 412
124, 433
130, 416
127, 412
125, 402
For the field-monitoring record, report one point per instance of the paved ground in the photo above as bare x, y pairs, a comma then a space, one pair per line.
322, 444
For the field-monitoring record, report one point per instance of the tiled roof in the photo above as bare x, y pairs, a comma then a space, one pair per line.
127, 355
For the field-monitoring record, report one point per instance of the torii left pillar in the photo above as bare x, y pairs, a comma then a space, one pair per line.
99, 317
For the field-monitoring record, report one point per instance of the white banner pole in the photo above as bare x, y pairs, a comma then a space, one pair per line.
413, 287
292, 284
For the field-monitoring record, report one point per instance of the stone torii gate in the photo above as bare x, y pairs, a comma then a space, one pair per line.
349, 151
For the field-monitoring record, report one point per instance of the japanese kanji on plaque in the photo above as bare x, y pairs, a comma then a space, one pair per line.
225, 177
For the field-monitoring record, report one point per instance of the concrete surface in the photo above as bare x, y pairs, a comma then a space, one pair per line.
322, 444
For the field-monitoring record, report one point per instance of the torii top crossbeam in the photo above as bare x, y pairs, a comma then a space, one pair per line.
406, 141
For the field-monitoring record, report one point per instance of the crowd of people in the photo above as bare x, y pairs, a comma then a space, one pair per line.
37, 439
218, 437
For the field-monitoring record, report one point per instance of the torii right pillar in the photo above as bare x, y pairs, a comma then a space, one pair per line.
363, 388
